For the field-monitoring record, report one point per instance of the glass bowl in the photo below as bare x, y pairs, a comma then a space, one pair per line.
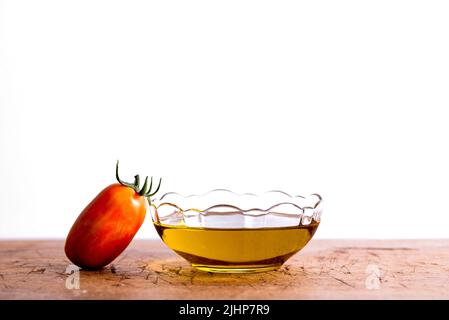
223, 231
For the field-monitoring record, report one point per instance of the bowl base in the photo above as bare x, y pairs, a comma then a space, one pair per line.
237, 268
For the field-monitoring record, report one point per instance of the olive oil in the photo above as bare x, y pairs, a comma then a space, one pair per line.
236, 250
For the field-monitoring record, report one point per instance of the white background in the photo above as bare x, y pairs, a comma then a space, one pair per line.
344, 98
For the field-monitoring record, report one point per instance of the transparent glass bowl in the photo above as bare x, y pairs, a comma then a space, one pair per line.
223, 231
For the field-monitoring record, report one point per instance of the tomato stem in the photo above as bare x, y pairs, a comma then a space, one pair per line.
136, 185
149, 194
124, 183
144, 188
151, 184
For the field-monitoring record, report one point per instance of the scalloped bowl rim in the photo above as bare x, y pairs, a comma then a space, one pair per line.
239, 210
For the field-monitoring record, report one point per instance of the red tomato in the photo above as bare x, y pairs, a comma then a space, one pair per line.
107, 225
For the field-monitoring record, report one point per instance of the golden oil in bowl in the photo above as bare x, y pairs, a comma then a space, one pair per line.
236, 250
222, 231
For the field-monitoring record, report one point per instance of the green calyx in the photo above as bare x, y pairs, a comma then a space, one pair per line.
145, 190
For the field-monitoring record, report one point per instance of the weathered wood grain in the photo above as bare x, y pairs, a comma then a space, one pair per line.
325, 269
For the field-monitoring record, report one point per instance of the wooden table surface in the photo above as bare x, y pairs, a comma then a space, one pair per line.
325, 269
